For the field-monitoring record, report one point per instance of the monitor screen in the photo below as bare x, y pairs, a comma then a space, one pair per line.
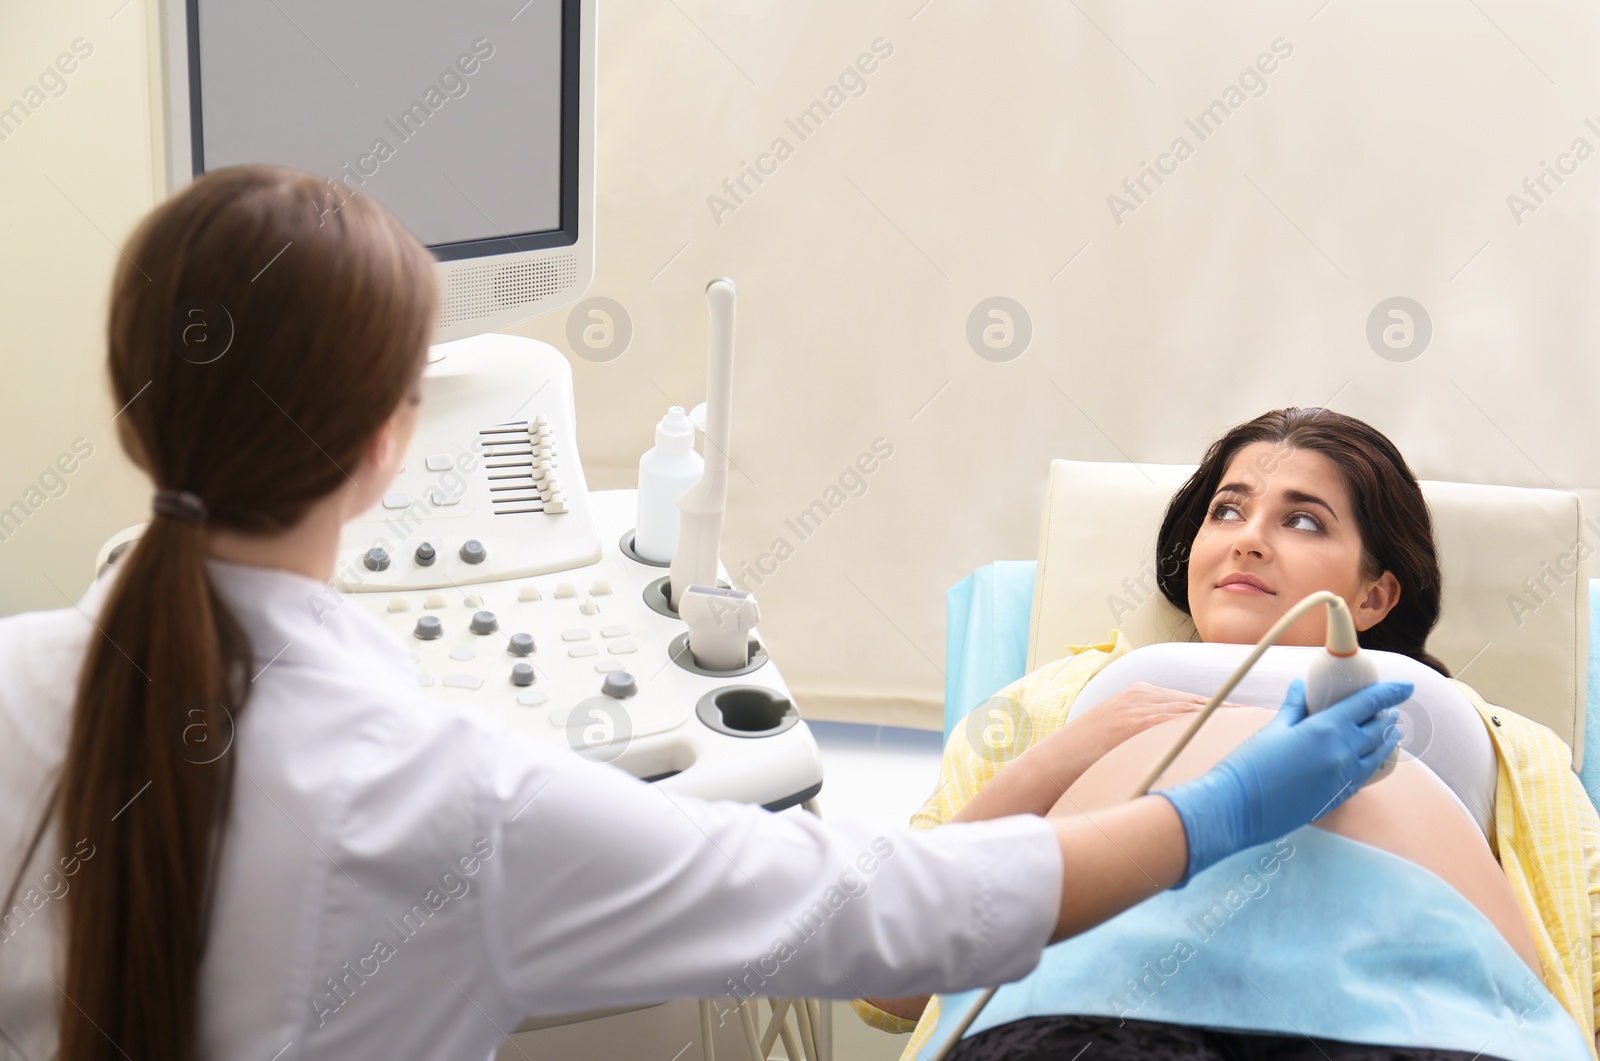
460, 117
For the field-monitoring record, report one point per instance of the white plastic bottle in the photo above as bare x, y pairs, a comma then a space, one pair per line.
665, 471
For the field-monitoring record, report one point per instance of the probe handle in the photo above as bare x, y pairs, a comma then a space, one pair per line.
1334, 677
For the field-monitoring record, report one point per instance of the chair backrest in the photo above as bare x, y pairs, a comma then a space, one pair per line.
1514, 621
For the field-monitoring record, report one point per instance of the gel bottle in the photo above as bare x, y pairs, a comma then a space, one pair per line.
665, 471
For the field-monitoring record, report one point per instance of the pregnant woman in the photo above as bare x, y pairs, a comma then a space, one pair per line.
1295, 501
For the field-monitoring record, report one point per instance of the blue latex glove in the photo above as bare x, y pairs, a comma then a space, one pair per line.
1290, 772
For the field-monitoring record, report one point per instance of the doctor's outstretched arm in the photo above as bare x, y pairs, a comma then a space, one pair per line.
1119, 856
606, 890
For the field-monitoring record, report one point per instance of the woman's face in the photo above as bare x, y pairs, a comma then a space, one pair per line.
1284, 516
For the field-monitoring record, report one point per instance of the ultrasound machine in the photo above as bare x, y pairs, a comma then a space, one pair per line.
517, 588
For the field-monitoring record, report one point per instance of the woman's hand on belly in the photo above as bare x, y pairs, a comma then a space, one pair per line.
1130, 711
1406, 813
1035, 780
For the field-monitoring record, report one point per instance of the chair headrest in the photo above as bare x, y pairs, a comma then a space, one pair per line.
1514, 619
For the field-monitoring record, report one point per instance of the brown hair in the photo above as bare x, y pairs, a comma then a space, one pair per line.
1391, 516
264, 325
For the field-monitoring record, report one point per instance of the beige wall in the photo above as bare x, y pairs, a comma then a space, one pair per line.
977, 162
75, 175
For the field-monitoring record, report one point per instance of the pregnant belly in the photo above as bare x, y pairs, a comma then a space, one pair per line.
1409, 813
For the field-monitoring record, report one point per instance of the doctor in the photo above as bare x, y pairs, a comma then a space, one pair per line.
233, 828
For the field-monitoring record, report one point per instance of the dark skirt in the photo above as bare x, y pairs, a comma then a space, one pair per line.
1064, 1037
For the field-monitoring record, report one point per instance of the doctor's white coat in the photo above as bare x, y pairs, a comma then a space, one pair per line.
406, 879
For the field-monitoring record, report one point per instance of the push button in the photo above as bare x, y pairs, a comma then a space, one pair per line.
438, 497
428, 628
619, 685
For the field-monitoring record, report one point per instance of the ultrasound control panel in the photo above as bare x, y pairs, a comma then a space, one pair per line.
517, 593
582, 658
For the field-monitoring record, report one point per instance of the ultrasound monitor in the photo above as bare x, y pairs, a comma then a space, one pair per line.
471, 121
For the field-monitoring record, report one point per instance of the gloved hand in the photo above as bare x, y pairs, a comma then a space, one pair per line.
1290, 772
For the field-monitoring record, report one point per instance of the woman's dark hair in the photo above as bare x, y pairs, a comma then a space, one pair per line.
264, 325
1391, 517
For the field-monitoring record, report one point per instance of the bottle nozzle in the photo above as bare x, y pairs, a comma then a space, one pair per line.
675, 432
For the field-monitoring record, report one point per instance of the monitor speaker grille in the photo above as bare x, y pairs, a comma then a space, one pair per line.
476, 291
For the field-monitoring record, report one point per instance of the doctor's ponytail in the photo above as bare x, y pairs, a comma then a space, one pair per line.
264, 325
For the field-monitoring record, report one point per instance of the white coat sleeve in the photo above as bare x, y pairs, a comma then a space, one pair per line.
607, 890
